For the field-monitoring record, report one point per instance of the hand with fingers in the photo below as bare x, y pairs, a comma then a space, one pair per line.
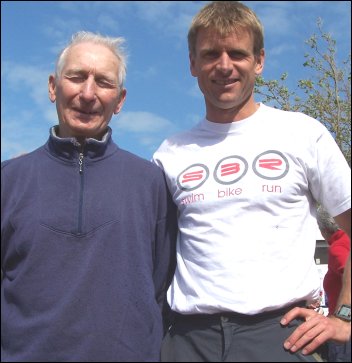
316, 330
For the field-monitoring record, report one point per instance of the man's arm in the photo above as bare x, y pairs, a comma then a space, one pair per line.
317, 329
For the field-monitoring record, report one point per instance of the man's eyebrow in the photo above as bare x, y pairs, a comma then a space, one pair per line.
75, 71
81, 72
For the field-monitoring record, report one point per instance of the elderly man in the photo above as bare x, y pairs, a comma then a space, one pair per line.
88, 230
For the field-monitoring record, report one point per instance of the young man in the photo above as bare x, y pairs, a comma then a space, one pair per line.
246, 180
87, 230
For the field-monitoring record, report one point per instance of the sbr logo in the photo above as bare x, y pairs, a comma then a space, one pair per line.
270, 165
230, 169
193, 177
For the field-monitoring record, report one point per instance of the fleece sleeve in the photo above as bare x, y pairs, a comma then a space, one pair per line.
165, 244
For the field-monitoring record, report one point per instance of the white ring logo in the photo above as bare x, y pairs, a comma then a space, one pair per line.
193, 177
231, 169
271, 165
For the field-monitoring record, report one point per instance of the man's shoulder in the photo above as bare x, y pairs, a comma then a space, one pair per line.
20, 160
137, 162
182, 135
287, 114
179, 140
292, 123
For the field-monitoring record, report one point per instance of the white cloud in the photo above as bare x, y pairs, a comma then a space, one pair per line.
280, 49
22, 134
149, 72
141, 122
195, 91
25, 125
18, 76
170, 18
143, 129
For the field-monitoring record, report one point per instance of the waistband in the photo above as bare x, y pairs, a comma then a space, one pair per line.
236, 317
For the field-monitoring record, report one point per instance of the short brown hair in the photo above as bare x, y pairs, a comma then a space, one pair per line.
225, 17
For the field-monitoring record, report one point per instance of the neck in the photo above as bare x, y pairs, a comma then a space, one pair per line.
237, 113
61, 132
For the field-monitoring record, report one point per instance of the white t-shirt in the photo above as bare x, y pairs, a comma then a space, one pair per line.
246, 195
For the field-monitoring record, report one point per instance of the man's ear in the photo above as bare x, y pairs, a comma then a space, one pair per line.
192, 65
260, 63
121, 101
52, 88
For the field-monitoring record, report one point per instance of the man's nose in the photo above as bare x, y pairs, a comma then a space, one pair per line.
88, 89
224, 63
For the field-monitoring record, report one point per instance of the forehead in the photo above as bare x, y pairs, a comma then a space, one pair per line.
90, 55
210, 38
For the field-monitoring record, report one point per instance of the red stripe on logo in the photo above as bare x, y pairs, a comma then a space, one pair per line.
270, 163
195, 175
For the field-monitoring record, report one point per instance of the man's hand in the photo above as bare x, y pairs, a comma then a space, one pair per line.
316, 330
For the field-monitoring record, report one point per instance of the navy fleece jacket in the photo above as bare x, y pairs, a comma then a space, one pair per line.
87, 251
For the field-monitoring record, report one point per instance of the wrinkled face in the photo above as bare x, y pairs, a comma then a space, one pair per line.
87, 93
226, 69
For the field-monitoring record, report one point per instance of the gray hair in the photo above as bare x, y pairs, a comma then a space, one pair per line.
114, 44
325, 221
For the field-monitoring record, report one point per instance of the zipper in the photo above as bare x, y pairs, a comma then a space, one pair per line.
80, 162
80, 203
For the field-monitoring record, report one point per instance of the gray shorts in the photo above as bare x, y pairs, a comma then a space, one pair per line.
231, 338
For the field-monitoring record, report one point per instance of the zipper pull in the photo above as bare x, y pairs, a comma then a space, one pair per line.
80, 162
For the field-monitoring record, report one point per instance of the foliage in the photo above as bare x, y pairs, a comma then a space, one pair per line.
325, 96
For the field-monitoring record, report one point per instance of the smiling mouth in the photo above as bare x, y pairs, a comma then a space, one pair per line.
225, 82
86, 113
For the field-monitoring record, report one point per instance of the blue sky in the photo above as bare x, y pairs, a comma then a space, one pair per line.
162, 96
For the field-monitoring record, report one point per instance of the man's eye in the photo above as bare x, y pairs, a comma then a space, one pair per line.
237, 55
211, 55
76, 79
104, 83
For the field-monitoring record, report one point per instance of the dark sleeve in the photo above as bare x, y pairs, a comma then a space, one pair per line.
165, 247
